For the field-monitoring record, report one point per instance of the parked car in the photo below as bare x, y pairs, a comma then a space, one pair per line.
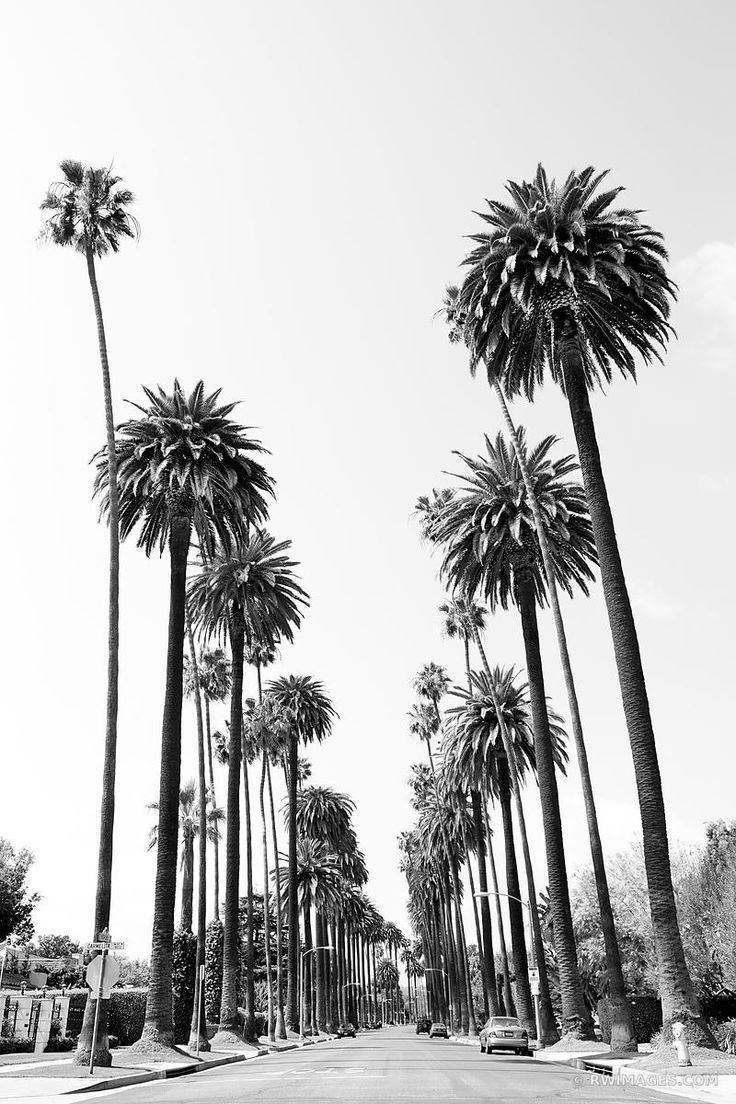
423, 1025
439, 1031
346, 1031
504, 1033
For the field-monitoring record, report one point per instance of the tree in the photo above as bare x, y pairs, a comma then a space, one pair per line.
56, 946
564, 284
245, 592
16, 901
213, 669
311, 714
89, 213
184, 465
491, 549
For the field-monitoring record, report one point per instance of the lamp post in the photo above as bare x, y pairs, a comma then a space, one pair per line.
527, 905
324, 947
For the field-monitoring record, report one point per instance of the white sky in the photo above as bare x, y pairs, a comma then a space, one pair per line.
305, 173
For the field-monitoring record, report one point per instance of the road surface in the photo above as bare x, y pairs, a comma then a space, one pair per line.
391, 1066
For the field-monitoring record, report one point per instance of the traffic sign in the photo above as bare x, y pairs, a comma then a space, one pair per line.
534, 981
102, 973
102, 946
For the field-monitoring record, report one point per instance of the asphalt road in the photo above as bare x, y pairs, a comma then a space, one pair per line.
387, 1066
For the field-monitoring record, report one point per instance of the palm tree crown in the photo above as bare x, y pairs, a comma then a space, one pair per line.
488, 529
311, 711
186, 455
461, 617
89, 210
215, 674
561, 259
325, 815
189, 817
256, 578
319, 883
432, 683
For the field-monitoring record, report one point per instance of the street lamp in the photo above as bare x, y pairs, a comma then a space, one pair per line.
528, 907
324, 947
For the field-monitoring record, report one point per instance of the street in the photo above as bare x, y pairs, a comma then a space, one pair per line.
389, 1066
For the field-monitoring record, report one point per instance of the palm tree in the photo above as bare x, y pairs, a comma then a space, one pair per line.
189, 817
563, 281
318, 885
491, 549
213, 670
89, 212
476, 751
247, 591
311, 714
185, 464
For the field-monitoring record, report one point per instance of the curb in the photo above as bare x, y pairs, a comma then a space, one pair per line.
162, 1074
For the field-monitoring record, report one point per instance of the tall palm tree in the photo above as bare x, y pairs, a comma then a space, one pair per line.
213, 670
89, 212
184, 465
491, 549
189, 829
311, 715
475, 751
565, 282
244, 592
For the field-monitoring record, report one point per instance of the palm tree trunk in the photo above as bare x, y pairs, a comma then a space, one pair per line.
229, 1033
524, 1005
267, 898
158, 1030
487, 957
216, 840
280, 1022
465, 966
622, 1031
107, 804
508, 997
308, 1027
334, 1021
187, 883
319, 973
576, 1019
199, 1042
292, 993
679, 1001
249, 1027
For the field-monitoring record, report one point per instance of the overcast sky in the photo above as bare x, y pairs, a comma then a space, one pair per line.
305, 173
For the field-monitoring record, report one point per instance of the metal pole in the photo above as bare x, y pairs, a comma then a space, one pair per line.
97, 1013
200, 998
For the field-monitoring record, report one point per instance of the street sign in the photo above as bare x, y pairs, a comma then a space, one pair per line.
101, 946
102, 973
534, 981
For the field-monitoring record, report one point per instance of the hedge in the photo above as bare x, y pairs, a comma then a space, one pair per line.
183, 970
127, 1014
14, 1044
213, 970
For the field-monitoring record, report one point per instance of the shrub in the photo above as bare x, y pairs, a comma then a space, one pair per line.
213, 970
720, 1006
14, 1044
127, 1014
646, 1017
60, 1043
183, 969
726, 1036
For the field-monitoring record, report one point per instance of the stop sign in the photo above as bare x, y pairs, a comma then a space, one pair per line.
102, 973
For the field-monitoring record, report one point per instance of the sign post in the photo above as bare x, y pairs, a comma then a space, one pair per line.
102, 973
534, 987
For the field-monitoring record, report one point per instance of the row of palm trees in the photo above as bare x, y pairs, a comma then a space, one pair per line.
560, 284
187, 479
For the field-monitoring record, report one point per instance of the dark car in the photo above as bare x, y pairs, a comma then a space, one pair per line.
423, 1025
439, 1031
346, 1031
504, 1033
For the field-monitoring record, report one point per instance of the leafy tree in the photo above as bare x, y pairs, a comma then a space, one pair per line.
16, 901
185, 465
88, 212
564, 284
56, 946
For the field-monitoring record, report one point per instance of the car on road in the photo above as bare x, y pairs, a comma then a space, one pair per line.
439, 1031
504, 1033
423, 1025
346, 1031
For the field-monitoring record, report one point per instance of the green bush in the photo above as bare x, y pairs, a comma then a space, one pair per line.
127, 1014
646, 1017
726, 1036
213, 970
14, 1044
183, 970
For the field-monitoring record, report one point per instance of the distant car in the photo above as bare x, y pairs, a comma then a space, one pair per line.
439, 1031
423, 1026
346, 1031
504, 1033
